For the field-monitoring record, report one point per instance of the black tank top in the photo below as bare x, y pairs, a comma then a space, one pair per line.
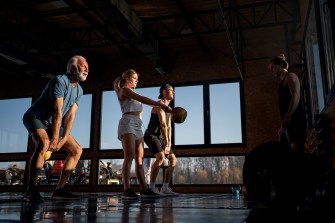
153, 126
284, 101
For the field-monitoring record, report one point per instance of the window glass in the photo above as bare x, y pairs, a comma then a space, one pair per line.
110, 172
189, 170
191, 131
110, 115
51, 171
328, 44
313, 63
13, 134
225, 113
209, 170
12, 173
81, 129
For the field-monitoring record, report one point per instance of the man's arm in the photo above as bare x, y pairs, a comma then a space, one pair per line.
68, 121
164, 128
57, 105
169, 128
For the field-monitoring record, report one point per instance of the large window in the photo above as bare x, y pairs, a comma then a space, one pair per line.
189, 170
328, 44
319, 55
81, 129
222, 114
209, 170
313, 62
191, 131
225, 113
13, 134
221, 111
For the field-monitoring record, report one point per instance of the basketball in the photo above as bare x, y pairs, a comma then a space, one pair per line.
47, 155
179, 115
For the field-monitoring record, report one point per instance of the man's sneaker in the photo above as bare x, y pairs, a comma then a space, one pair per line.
156, 190
149, 193
130, 194
33, 195
168, 192
63, 194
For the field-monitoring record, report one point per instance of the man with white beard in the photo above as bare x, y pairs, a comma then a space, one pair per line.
49, 122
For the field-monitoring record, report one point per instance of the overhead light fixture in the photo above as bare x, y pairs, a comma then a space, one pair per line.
15, 60
163, 68
160, 70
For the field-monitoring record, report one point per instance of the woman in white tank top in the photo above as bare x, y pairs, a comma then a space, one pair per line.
130, 131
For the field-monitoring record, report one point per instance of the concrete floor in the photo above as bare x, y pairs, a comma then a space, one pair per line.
185, 208
109, 207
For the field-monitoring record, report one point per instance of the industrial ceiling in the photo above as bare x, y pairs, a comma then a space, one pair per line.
38, 36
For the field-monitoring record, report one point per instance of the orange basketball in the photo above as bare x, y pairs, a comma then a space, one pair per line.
179, 115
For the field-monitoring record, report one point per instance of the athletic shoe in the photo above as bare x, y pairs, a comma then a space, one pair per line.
149, 193
168, 192
33, 195
63, 194
130, 194
156, 190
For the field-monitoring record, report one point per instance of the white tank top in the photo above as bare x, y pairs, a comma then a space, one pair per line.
130, 105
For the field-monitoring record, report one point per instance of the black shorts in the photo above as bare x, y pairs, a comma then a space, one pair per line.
297, 130
32, 123
155, 144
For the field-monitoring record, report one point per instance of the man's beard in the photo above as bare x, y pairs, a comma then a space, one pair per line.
80, 76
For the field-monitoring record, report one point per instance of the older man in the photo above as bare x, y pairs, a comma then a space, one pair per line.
49, 121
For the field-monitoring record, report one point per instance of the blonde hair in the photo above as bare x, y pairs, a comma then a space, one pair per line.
280, 60
121, 80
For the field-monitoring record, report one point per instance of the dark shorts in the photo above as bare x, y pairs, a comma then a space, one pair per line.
297, 131
155, 144
130, 124
297, 135
32, 123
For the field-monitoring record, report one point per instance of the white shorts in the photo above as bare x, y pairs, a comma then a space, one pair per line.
130, 124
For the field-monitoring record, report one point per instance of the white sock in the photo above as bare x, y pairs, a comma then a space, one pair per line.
152, 185
165, 185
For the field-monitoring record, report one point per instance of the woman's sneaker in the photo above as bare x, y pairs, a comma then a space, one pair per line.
130, 194
149, 193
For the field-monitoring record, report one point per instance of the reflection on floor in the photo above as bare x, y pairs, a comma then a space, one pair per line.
109, 207
186, 208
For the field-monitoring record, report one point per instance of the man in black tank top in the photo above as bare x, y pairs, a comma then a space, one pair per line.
158, 138
293, 126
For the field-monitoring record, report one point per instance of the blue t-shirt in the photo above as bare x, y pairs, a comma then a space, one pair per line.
58, 87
